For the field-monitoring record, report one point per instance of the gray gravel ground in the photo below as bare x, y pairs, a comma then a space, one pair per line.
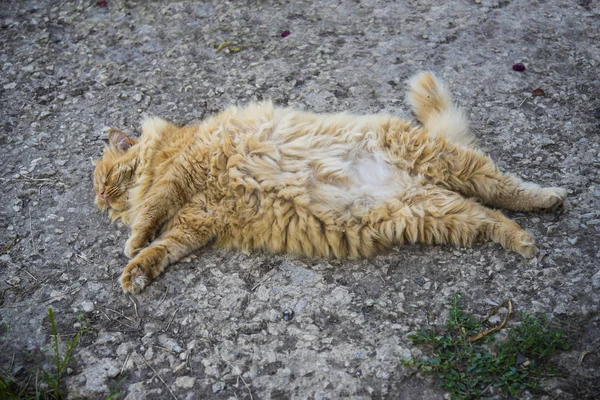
212, 325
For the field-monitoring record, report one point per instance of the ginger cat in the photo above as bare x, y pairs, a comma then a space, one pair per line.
334, 185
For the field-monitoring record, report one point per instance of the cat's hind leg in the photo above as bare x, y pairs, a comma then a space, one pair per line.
441, 153
187, 232
474, 174
468, 171
433, 215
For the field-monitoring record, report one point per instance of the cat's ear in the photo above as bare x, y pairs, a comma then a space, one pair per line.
119, 141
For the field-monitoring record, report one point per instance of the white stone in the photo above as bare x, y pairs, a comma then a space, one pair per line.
185, 382
87, 306
596, 280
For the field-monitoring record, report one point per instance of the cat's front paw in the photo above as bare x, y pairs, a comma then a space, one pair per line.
134, 244
134, 279
525, 245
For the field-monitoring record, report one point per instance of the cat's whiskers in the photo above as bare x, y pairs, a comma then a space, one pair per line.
128, 186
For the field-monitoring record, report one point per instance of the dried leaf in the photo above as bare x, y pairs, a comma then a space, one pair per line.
222, 46
538, 92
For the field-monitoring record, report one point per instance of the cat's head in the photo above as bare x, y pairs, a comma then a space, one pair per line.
115, 173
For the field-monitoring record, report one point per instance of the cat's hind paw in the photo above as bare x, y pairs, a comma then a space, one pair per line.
133, 280
554, 197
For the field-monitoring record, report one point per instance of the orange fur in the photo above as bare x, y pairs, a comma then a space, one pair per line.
336, 185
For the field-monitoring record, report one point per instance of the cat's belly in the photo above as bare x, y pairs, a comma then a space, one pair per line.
368, 181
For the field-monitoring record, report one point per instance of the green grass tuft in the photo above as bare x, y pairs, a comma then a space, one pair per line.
468, 370
49, 387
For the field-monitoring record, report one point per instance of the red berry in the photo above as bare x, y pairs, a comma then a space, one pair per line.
285, 33
520, 67
101, 3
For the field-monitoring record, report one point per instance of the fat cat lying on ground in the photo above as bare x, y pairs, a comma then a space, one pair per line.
333, 185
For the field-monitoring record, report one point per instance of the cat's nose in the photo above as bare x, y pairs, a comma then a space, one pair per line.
102, 194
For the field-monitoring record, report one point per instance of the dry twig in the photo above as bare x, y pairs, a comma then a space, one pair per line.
44, 300
83, 257
120, 314
137, 317
241, 377
508, 305
31, 234
171, 321
159, 377
266, 278
165, 296
585, 353
124, 364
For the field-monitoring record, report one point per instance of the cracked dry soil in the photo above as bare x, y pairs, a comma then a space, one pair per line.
212, 326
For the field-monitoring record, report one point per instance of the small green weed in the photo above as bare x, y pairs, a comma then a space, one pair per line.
469, 369
49, 387
85, 325
9, 389
53, 379
116, 392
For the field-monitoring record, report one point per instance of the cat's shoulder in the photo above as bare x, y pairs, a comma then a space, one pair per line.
154, 127
252, 113
260, 108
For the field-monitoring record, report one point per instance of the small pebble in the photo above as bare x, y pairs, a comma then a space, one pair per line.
288, 315
596, 280
521, 359
218, 387
14, 281
87, 306
44, 114
186, 382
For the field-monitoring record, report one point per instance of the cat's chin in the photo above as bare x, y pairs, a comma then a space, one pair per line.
115, 215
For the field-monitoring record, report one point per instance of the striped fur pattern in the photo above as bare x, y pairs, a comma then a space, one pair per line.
333, 185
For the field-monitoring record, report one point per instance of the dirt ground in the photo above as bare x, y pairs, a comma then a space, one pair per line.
212, 326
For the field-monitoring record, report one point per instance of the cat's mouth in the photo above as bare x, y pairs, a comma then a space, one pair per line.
104, 203
101, 203
118, 204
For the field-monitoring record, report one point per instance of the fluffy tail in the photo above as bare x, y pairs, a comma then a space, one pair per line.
433, 105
